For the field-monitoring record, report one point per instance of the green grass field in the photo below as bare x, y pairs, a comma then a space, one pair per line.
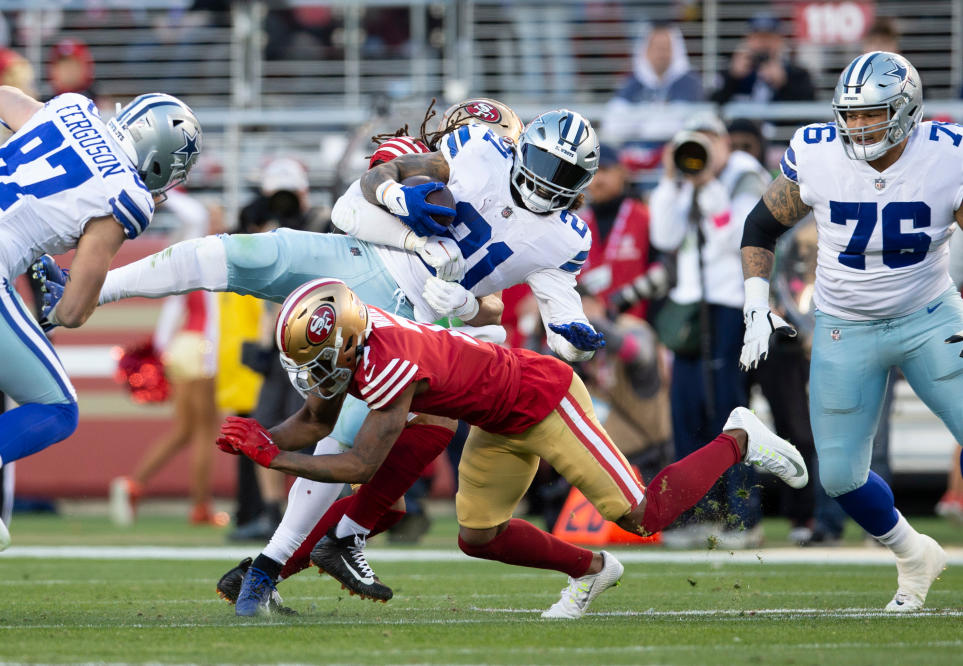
71, 605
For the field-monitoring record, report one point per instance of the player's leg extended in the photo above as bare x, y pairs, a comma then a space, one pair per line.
494, 473
935, 371
33, 376
266, 265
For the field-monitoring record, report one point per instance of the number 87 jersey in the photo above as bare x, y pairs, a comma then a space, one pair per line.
882, 236
60, 170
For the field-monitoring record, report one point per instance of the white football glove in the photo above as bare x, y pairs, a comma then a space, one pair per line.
442, 254
761, 322
450, 299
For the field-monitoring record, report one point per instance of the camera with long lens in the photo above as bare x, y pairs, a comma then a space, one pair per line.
690, 152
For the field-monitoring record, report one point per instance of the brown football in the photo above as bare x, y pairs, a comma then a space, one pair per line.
442, 197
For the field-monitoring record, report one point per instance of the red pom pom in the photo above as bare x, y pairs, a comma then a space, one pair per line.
141, 370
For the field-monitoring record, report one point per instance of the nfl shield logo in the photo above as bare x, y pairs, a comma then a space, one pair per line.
507, 212
880, 184
835, 335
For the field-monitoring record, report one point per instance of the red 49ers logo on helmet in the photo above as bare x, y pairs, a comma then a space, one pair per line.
483, 111
320, 324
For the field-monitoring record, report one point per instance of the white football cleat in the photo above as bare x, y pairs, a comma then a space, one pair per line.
4, 536
767, 450
916, 575
581, 591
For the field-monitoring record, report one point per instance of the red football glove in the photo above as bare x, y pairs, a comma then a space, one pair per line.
248, 437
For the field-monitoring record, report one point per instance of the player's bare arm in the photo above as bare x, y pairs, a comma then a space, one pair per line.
490, 309
782, 200
432, 165
96, 248
16, 107
377, 435
314, 421
958, 216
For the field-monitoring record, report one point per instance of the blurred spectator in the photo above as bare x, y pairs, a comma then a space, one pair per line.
186, 338
746, 135
660, 68
761, 69
16, 71
302, 33
661, 74
951, 503
883, 35
698, 210
71, 68
622, 267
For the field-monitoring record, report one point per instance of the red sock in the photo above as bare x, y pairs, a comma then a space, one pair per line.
680, 485
416, 448
301, 559
527, 546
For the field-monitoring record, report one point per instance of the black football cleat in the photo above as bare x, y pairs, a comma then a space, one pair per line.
344, 560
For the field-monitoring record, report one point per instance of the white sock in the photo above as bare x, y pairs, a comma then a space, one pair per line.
902, 539
307, 502
199, 263
347, 527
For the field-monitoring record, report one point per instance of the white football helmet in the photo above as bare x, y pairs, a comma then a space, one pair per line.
320, 331
497, 116
556, 157
878, 80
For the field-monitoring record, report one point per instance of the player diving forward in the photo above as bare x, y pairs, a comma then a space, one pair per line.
523, 406
70, 180
885, 190
507, 245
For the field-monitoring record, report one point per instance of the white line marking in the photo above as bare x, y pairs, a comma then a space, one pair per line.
833, 556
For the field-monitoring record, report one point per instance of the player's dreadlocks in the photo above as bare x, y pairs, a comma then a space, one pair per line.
430, 139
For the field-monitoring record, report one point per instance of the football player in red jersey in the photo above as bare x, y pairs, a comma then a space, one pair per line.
522, 405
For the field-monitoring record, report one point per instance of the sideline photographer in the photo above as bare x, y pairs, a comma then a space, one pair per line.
698, 210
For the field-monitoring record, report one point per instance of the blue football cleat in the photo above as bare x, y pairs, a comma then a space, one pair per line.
255, 595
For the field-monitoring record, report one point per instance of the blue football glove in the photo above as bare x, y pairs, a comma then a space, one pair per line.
582, 336
409, 204
51, 278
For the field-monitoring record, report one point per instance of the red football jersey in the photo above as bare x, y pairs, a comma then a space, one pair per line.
503, 391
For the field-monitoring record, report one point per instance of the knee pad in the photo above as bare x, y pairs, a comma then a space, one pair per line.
838, 480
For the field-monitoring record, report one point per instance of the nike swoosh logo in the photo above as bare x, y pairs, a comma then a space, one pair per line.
367, 375
799, 470
930, 310
367, 580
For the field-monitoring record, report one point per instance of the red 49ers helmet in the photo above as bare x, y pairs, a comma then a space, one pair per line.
320, 331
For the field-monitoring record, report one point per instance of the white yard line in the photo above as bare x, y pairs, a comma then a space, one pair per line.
834, 556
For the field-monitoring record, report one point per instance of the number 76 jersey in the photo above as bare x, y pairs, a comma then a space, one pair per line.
57, 172
882, 248
503, 243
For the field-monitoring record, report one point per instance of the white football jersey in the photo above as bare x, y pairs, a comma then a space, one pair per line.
503, 243
882, 249
60, 170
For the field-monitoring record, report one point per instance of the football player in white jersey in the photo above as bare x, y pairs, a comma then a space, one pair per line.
70, 180
885, 190
271, 265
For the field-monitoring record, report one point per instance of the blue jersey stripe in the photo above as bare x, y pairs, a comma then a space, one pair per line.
131, 205
572, 266
788, 171
452, 145
581, 256
130, 229
790, 156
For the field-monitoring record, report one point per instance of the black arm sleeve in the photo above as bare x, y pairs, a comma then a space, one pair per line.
762, 229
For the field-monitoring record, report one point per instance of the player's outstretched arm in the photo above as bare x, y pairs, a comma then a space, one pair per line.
779, 209
16, 107
375, 438
96, 248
